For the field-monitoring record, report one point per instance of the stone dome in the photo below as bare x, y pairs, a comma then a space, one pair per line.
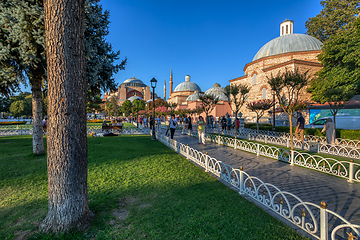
217, 91
187, 86
134, 82
132, 98
288, 43
194, 97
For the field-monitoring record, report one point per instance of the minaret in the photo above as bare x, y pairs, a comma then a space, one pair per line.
164, 89
171, 83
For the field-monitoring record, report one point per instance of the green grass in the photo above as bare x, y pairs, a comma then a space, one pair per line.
163, 195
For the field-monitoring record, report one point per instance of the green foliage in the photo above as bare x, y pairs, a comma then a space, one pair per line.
138, 105
112, 107
208, 103
237, 95
126, 107
335, 16
21, 105
93, 103
4, 104
339, 78
163, 195
22, 44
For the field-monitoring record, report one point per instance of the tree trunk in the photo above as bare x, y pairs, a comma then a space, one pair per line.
38, 140
66, 141
291, 133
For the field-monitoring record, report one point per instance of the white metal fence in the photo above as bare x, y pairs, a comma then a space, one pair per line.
317, 220
343, 147
344, 169
15, 131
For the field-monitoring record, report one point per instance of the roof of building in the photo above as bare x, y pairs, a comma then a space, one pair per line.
132, 98
134, 82
288, 43
187, 86
194, 97
217, 91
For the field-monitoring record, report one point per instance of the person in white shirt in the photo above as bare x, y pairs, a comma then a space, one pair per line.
173, 124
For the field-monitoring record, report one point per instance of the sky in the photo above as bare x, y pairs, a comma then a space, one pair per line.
209, 40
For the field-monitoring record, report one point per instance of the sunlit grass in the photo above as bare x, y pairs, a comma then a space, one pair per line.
138, 189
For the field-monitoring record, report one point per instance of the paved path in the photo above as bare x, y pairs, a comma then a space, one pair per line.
311, 186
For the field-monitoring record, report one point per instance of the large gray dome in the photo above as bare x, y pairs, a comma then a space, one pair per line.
217, 91
187, 86
134, 82
194, 97
288, 43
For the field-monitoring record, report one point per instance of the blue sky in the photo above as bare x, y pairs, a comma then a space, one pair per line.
209, 40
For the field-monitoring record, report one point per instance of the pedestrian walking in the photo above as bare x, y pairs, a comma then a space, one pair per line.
172, 125
329, 128
299, 131
201, 130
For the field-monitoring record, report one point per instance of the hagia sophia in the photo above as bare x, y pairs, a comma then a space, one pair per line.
288, 51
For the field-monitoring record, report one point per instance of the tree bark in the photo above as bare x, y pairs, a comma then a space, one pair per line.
66, 140
38, 139
291, 133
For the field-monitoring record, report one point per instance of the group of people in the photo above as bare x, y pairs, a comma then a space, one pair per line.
329, 129
226, 123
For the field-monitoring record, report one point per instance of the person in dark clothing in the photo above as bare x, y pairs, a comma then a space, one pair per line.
223, 123
299, 132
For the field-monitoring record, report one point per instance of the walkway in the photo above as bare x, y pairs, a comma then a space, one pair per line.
311, 186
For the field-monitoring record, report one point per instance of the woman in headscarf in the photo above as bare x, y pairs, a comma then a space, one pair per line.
329, 127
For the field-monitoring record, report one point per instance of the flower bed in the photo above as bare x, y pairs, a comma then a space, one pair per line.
12, 122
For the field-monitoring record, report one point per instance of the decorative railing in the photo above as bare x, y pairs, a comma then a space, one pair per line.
344, 148
344, 169
316, 220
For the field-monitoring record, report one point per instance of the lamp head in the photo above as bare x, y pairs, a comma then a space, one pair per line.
153, 82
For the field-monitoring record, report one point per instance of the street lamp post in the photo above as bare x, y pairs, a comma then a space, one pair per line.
153, 85
273, 111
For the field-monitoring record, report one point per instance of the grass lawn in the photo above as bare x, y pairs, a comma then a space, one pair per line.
138, 189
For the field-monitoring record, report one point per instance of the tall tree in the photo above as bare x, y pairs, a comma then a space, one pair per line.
23, 55
66, 141
237, 95
287, 87
126, 107
208, 103
339, 79
259, 107
335, 16
21, 105
22, 41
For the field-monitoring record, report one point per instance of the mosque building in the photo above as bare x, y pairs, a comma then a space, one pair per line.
130, 89
186, 96
288, 51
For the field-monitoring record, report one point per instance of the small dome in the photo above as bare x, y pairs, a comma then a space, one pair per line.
288, 43
217, 91
132, 98
187, 86
134, 82
194, 97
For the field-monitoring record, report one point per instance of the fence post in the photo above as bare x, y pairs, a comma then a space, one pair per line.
241, 181
235, 143
187, 151
292, 158
287, 142
351, 171
258, 150
206, 163
324, 227
175, 145
318, 146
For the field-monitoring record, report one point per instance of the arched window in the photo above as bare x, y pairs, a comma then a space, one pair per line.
287, 29
263, 91
254, 79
